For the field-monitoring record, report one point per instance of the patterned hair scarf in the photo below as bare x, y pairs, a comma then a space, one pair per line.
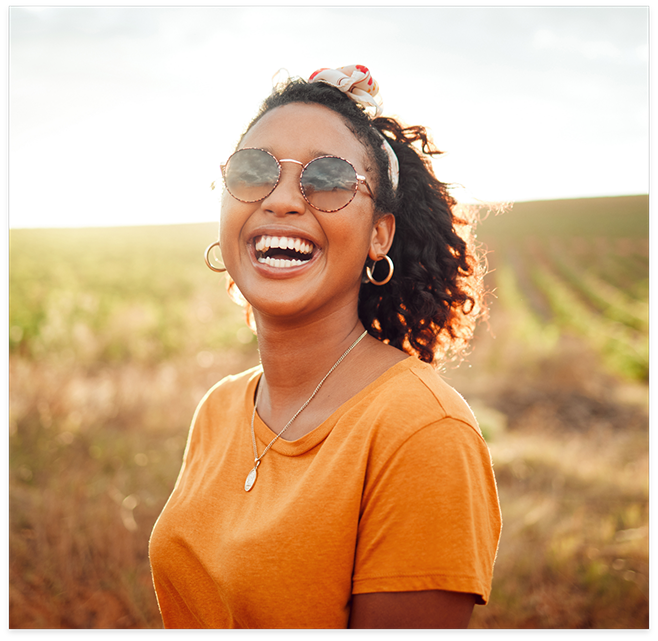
360, 86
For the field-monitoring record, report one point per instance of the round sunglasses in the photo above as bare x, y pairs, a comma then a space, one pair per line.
328, 183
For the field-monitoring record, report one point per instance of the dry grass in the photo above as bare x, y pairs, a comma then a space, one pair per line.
94, 456
570, 449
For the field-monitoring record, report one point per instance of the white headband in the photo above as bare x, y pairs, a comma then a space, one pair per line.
360, 86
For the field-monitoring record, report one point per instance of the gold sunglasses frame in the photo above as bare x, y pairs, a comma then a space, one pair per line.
360, 180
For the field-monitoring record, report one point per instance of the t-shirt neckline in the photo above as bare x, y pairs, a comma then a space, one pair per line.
264, 434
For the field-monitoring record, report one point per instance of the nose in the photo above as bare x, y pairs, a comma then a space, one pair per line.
287, 197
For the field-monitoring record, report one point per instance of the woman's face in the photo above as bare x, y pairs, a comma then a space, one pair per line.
333, 246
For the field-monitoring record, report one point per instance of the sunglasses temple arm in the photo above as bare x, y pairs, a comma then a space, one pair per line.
362, 180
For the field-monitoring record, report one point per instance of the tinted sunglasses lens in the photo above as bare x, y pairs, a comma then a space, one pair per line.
329, 184
251, 175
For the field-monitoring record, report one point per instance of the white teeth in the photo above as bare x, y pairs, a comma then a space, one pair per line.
281, 263
283, 242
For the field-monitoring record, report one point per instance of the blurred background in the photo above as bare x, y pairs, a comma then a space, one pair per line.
118, 121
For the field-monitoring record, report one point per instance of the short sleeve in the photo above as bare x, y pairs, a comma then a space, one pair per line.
430, 516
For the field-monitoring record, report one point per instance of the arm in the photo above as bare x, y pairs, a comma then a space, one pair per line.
425, 609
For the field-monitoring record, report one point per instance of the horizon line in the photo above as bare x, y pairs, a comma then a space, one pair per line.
482, 203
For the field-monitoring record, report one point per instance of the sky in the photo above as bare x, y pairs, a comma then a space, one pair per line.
122, 115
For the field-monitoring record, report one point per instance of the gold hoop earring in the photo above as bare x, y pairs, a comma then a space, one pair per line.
206, 256
391, 268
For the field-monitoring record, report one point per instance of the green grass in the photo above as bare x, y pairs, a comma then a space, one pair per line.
111, 295
612, 217
611, 301
578, 266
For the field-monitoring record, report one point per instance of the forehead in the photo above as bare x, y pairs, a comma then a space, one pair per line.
304, 131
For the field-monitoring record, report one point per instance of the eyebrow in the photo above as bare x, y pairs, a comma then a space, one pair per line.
318, 152
315, 153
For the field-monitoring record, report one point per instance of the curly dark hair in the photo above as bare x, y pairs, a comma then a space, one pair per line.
435, 297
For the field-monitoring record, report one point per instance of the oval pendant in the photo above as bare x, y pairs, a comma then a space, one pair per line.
251, 479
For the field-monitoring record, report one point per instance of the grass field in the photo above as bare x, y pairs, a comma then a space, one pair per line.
115, 335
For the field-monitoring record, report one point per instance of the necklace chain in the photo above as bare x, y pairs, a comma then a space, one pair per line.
251, 478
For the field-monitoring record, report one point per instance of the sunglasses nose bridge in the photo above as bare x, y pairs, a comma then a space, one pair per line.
297, 178
296, 162
281, 195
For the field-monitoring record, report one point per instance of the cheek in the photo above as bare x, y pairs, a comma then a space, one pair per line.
230, 224
351, 242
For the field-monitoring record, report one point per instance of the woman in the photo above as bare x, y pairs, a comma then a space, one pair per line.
341, 483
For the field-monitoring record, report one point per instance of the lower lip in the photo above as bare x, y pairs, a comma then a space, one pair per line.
281, 272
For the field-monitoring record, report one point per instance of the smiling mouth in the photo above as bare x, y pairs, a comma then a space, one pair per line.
283, 251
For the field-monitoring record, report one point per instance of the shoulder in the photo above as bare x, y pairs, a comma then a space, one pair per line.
228, 399
416, 393
229, 395
415, 419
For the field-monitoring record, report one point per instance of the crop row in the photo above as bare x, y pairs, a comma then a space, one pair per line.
620, 262
552, 289
624, 349
613, 302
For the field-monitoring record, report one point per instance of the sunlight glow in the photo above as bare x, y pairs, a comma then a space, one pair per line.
122, 115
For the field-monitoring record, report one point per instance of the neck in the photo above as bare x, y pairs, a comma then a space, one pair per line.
295, 357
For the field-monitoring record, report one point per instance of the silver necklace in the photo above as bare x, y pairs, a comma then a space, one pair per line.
251, 477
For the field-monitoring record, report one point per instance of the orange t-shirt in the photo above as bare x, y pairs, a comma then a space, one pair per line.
394, 492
